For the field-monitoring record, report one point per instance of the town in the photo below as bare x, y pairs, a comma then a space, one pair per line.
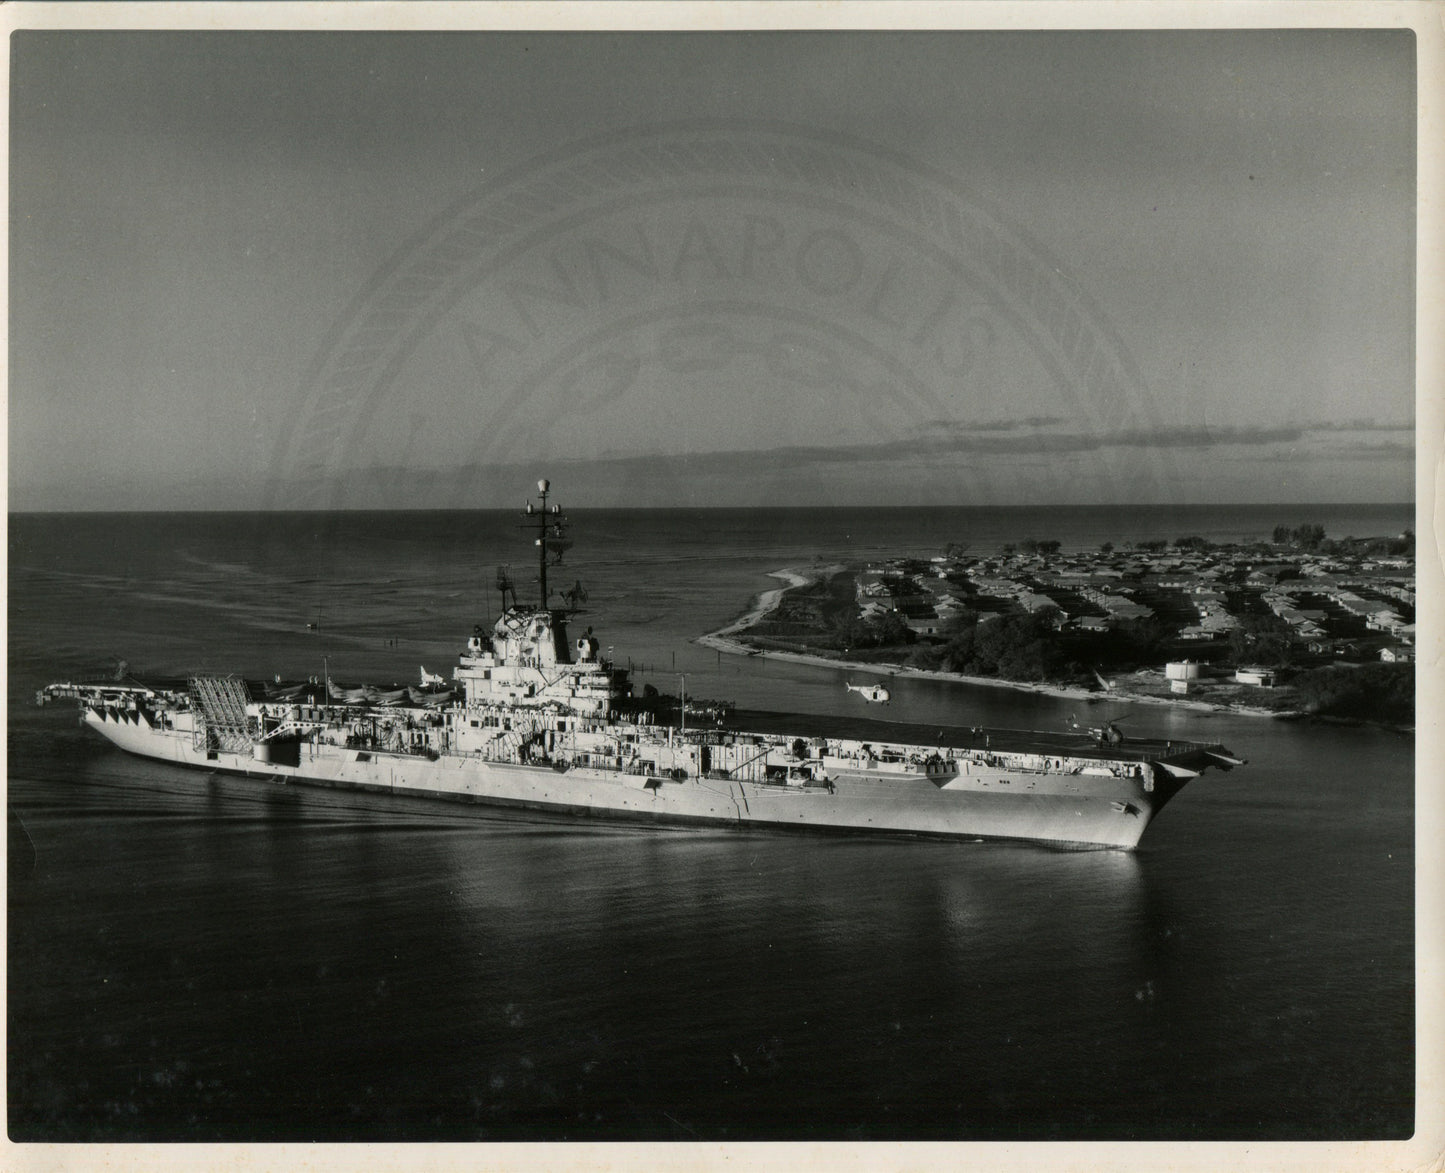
1300, 624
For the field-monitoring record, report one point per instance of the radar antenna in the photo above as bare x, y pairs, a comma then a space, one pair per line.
506, 586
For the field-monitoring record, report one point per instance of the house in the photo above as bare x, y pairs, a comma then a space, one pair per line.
1125, 609
1032, 601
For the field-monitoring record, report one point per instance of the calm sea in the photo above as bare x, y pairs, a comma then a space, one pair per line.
207, 958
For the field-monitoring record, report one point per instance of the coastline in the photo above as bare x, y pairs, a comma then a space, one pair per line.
767, 602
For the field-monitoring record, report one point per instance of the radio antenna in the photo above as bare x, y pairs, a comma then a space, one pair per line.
551, 537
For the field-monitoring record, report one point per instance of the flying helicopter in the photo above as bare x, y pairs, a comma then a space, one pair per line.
874, 693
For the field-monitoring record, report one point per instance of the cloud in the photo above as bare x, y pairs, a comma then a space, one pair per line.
1004, 425
1015, 446
998, 438
1378, 451
1396, 448
1364, 426
964, 439
1025, 436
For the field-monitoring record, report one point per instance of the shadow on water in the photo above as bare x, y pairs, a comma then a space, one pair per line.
220, 958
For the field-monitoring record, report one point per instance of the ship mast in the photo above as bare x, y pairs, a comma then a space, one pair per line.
550, 527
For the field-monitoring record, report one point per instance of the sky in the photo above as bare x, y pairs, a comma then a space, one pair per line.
400, 270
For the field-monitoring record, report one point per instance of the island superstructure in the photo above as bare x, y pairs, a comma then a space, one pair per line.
536, 718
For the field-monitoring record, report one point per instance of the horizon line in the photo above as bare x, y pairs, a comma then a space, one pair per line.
735, 508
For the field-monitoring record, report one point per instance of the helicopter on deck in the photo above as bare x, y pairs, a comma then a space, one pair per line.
1107, 734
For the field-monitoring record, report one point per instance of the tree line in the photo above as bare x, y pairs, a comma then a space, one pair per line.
1308, 537
1372, 692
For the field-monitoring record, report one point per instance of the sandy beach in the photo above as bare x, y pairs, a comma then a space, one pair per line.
767, 602
724, 640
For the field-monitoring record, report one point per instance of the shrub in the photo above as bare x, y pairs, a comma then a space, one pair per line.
1381, 692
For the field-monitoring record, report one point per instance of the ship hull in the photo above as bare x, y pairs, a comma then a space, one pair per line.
1057, 810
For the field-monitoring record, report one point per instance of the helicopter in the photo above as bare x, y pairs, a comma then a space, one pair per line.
1107, 734
875, 693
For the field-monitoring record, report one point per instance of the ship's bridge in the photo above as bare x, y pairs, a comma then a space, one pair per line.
529, 661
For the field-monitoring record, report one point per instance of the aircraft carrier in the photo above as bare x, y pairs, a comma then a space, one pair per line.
534, 718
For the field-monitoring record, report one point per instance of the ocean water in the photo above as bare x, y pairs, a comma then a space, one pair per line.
194, 957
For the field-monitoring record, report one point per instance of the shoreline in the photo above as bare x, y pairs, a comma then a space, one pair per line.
768, 601
766, 604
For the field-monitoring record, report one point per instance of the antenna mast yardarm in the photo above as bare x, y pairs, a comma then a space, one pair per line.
550, 525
